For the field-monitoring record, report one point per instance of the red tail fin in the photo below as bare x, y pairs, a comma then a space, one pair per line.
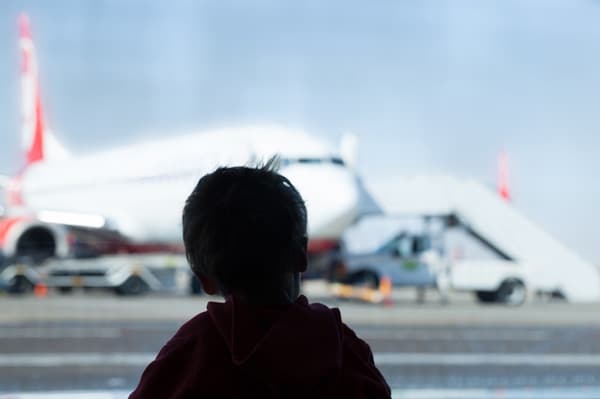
503, 184
31, 106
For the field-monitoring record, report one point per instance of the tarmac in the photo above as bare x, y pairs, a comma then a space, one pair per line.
95, 345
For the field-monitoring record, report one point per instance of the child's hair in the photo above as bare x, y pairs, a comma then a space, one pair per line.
244, 227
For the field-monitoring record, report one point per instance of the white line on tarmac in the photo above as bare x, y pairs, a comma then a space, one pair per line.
495, 359
433, 335
416, 335
59, 332
68, 395
524, 393
381, 359
75, 359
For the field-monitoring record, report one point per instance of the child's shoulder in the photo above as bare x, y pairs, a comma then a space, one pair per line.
196, 339
192, 354
198, 334
198, 329
322, 313
199, 324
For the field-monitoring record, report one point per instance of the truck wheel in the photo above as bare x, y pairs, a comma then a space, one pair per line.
367, 278
134, 285
512, 292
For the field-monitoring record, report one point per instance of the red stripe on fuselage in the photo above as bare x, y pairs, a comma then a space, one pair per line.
5, 227
322, 245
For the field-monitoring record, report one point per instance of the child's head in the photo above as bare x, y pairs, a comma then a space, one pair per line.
244, 231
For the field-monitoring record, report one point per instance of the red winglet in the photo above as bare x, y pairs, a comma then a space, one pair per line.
503, 184
24, 28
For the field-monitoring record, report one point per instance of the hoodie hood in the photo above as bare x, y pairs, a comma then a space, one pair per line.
292, 345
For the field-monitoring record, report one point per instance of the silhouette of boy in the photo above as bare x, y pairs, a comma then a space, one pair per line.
244, 231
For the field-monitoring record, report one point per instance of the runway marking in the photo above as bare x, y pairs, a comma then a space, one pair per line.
434, 335
68, 395
75, 359
496, 359
526, 393
381, 359
59, 332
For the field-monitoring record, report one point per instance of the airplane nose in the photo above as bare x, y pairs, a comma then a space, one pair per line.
332, 196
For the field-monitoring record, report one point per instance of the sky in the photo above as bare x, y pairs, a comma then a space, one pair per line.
429, 86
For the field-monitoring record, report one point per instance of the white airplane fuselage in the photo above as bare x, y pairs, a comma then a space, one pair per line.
140, 190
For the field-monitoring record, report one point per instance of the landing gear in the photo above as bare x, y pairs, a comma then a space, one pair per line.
20, 285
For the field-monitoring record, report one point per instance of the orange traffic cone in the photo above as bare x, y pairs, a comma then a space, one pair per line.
40, 290
385, 288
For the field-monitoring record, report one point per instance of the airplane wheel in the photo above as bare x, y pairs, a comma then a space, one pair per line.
65, 290
133, 286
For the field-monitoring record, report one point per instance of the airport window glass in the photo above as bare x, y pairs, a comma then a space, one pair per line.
447, 153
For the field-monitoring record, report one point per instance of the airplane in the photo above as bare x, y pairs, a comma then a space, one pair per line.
129, 199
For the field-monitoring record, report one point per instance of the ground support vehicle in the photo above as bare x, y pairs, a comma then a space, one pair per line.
446, 253
408, 259
125, 274
505, 258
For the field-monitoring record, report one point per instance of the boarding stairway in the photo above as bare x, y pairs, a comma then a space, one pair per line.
498, 225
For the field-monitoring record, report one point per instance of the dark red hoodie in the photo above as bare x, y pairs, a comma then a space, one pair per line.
236, 350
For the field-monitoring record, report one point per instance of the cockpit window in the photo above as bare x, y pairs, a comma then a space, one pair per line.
325, 160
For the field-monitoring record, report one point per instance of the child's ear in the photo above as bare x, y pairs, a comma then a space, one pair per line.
208, 285
302, 260
303, 256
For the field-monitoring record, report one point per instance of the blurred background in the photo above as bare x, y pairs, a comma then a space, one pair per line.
428, 88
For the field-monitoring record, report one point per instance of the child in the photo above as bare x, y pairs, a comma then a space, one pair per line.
244, 231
